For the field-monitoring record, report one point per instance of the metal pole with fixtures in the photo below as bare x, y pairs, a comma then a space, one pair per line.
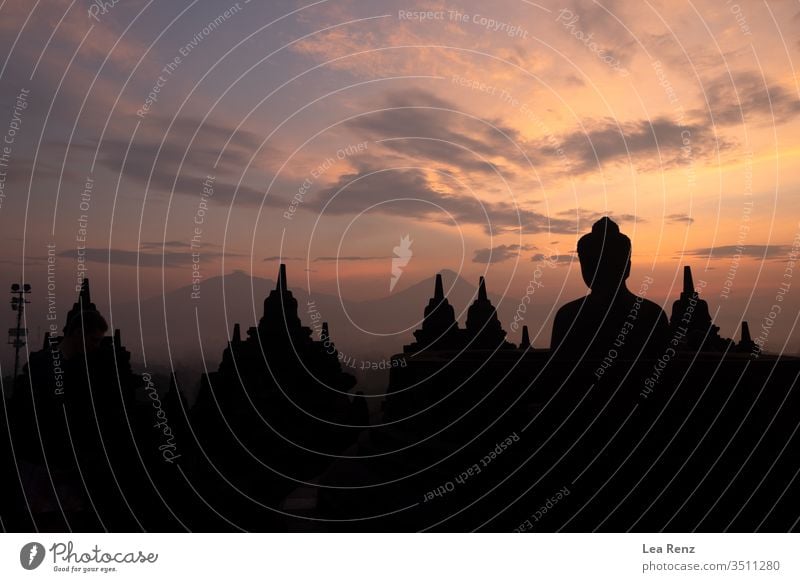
17, 335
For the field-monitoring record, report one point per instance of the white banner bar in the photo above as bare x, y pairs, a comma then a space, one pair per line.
399, 557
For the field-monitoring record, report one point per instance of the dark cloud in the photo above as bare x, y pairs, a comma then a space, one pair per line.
143, 259
21, 168
499, 253
202, 154
749, 97
602, 22
585, 218
555, 260
702, 57
384, 188
660, 143
148, 155
679, 219
175, 245
158, 245
768, 252
348, 258
435, 129
208, 249
573, 81
277, 258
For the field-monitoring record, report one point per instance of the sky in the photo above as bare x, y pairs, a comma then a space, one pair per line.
170, 142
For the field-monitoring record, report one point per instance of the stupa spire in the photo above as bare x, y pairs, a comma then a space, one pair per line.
281, 286
526, 340
438, 292
85, 295
688, 281
482, 296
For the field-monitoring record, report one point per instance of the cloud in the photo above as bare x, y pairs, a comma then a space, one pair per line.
435, 129
348, 258
51, 35
586, 218
769, 252
360, 48
657, 144
556, 260
202, 155
571, 80
147, 154
679, 219
143, 259
68, 27
176, 245
499, 253
749, 97
384, 191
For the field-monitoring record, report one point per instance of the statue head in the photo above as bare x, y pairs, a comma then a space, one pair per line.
605, 257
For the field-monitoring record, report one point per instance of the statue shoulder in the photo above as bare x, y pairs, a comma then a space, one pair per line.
571, 308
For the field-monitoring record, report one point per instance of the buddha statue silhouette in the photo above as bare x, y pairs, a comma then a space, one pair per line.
610, 317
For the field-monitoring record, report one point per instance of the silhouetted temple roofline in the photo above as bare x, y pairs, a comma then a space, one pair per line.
691, 312
281, 316
237, 334
439, 324
483, 327
84, 302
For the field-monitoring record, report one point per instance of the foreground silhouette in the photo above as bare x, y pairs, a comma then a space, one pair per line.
664, 425
69, 426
